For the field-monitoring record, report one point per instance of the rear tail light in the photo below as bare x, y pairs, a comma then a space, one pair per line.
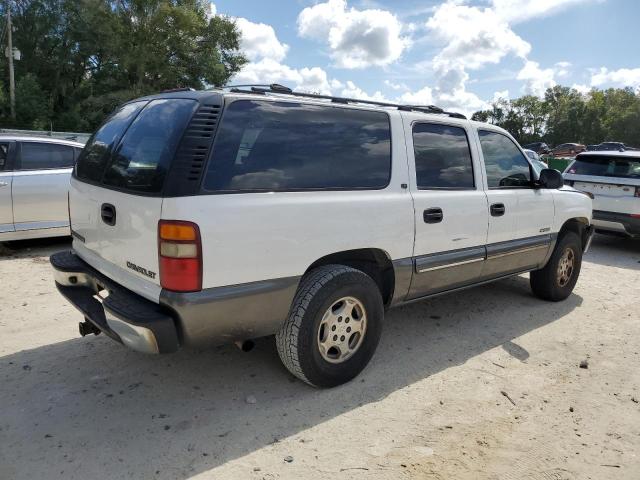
180, 253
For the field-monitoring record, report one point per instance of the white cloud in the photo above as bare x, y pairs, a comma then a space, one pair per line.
396, 86
473, 36
268, 71
356, 38
350, 90
536, 79
515, 11
424, 96
562, 69
213, 11
583, 89
624, 77
259, 41
501, 95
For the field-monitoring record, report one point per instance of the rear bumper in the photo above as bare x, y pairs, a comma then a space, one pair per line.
117, 312
212, 316
617, 222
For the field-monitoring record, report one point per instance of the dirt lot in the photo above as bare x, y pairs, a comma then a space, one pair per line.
430, 405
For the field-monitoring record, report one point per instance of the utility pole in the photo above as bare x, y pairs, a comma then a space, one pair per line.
12, 83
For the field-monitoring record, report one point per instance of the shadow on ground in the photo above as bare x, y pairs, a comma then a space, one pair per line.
88, 408
614, 251
33, 248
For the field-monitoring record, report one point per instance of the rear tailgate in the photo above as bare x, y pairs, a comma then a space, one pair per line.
614, 181
125, 251
609, 194
115, 198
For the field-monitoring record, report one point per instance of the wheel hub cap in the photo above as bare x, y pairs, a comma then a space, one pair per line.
565, 267
342, 329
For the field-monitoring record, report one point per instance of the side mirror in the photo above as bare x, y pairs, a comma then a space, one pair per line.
550, 178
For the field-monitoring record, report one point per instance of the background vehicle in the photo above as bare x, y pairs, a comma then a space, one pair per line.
613, 178
540, 148
222, 216
537, 164
568, 150
34, 186
606, 146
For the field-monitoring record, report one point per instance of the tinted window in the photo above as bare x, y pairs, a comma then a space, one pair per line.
35, 156
269, 146
505, 164
145, 152
442, 155
95, 154
606, 166
4, 152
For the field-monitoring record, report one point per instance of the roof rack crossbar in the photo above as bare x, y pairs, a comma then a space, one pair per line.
281, 89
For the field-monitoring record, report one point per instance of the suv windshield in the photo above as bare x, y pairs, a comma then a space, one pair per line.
606, 166
133, 149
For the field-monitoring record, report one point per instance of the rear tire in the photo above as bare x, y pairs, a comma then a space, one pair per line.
557, 279
333, 327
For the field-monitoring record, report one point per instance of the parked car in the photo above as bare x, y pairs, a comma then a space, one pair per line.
613, 179
34, 185
568, 150
537, 164
540, 148
606, 146
201, 218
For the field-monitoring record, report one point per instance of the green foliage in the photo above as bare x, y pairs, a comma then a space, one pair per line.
81, 58
566, 115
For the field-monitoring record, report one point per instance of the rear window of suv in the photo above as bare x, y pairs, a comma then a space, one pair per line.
133, 149
606, 166
286, 146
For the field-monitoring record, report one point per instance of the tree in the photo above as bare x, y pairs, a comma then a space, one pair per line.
87, 56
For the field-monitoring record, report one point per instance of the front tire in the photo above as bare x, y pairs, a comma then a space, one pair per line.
556, 280
333, 327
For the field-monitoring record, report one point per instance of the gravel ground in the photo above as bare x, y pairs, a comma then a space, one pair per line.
484, 384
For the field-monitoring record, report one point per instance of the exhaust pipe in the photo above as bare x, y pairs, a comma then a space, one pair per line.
245, 345
85, 328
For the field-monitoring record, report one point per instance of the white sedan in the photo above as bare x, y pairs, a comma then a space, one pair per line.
34, 185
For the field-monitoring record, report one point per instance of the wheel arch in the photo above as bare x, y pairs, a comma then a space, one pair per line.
375, 262
578, 225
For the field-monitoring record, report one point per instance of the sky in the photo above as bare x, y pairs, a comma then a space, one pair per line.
456, 54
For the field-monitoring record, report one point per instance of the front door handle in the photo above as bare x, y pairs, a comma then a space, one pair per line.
432, 215
108, 214
497, 209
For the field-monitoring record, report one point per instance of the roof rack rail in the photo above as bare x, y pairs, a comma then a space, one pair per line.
281, 89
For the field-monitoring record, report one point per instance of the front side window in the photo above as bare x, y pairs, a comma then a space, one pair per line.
505, 165
442, 156
285, 146
36, 156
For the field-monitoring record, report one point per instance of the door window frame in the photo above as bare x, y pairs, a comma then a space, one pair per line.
415, 168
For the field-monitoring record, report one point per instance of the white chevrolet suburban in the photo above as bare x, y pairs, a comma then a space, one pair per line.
200, 218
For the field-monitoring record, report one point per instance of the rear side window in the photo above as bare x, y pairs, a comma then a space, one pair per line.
142, 158
606, 166
36, 156
95, 154
443, 158
280, 146
506, 166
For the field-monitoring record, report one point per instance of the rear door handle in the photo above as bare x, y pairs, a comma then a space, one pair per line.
433, 215
497, 209
108, 214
